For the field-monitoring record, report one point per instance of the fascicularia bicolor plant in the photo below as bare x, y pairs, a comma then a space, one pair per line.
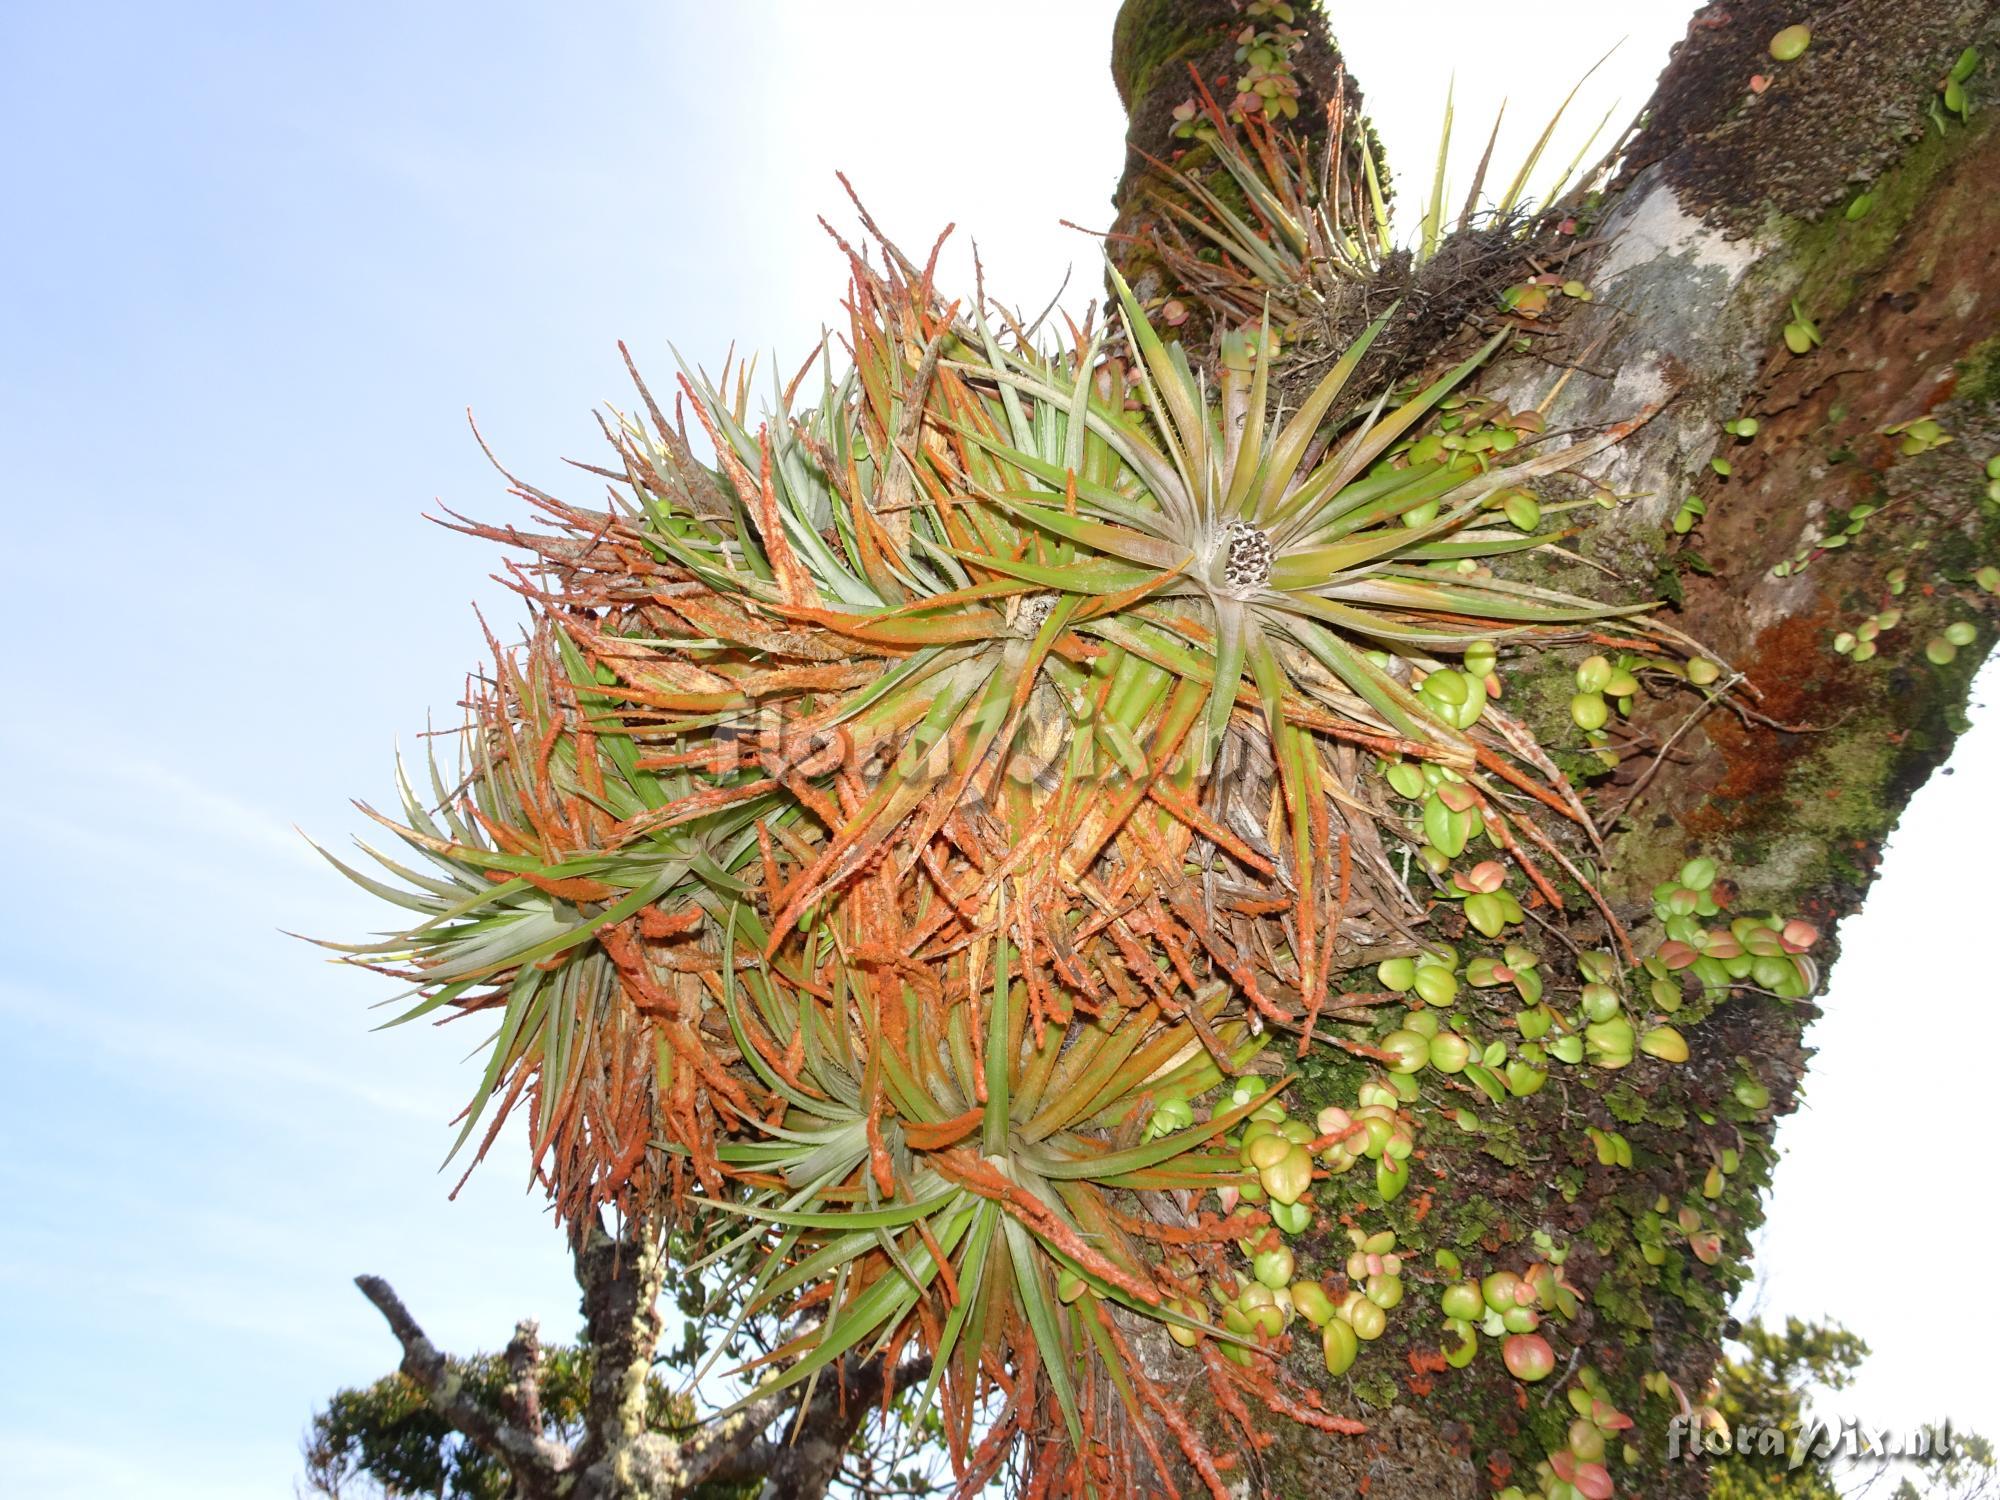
1309, 232
994, 1198
878, 824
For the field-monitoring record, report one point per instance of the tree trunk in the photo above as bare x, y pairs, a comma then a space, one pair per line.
1728, 219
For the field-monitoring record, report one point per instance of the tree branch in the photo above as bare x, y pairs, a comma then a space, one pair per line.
618, 1456
521, 1399
803, 1467
533, 1459
735, 1449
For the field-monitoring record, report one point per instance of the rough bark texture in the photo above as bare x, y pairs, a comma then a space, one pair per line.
528, 1455
1730, 206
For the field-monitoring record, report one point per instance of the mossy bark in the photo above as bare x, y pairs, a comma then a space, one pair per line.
1730, 217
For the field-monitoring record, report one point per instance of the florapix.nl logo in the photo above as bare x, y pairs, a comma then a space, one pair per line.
1705, 1435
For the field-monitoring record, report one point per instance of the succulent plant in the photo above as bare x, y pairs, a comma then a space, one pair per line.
1790, 44
1340, 1343
1801, 333
1920, 435
1528, 1357
1952, 91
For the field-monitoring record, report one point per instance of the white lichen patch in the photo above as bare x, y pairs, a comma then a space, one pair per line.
1653, 224
1676, 329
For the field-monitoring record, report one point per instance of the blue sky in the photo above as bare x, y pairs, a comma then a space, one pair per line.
258, 261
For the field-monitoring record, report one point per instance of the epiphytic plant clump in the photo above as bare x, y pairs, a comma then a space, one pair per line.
1942, 649
1918, 436
915, 844
1607, 689
1771, 953
1507, 1306
1859, 644
1829, 540
1308, 239
1268, 87
1580, 1468
879, 824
